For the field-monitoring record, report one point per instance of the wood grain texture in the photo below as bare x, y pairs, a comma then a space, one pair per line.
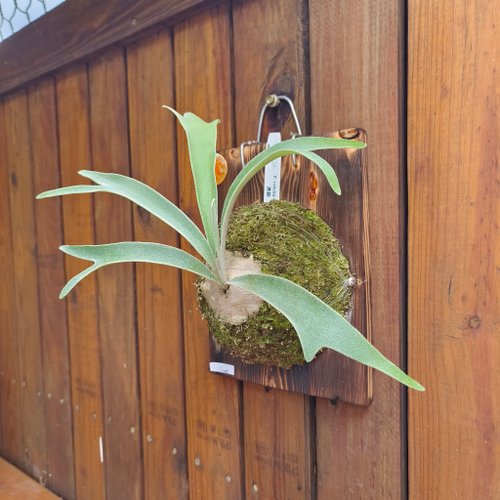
356, 81
15, 484
78, 222
269, 55
454, 242
115, 284
213, 404
51, 278
26, 308
75, 30
159, 306
11, 445
331, 375
348, 217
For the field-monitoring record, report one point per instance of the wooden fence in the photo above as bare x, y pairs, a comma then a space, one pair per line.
107, 394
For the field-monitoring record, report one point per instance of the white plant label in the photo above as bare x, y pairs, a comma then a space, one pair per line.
272, 171
225, 368
101, 450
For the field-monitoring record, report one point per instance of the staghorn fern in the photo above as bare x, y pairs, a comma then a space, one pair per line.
322, 327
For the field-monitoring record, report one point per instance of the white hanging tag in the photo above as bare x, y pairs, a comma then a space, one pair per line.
272, 171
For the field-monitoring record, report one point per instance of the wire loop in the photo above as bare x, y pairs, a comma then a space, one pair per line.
272, 101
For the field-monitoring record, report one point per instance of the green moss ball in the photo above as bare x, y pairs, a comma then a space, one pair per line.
292, 242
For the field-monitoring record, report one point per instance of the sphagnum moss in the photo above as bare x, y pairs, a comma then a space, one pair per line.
293, 242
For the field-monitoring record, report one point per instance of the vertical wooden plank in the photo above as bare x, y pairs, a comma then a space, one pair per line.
74, 151
11, 446
272, 62
203, 86
278, 453
356, 81
159, 307
18, 157
454, 242
51, 278
115, 284
4, 227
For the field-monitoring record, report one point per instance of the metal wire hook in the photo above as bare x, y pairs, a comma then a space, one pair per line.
272, 101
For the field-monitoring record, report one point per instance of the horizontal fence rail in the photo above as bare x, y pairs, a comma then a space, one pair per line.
78, 28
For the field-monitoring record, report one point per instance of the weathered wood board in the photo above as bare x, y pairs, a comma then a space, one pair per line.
115, 284
277, 425
25, 289
454, 244
72, 92
158, 288
11, 442
60, 473
357, 77
213, 404
330, 375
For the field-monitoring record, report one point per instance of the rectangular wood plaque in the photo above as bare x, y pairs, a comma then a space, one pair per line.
331, 375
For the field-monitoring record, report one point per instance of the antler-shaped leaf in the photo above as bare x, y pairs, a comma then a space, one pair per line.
147, 198
129, 251
202, 138
318, 325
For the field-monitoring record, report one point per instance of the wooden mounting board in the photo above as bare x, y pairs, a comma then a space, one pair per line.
330, 375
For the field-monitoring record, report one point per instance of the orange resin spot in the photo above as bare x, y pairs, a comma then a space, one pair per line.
220, 169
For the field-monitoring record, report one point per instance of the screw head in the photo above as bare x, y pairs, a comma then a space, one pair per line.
272, 100
350, 282
349, 133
